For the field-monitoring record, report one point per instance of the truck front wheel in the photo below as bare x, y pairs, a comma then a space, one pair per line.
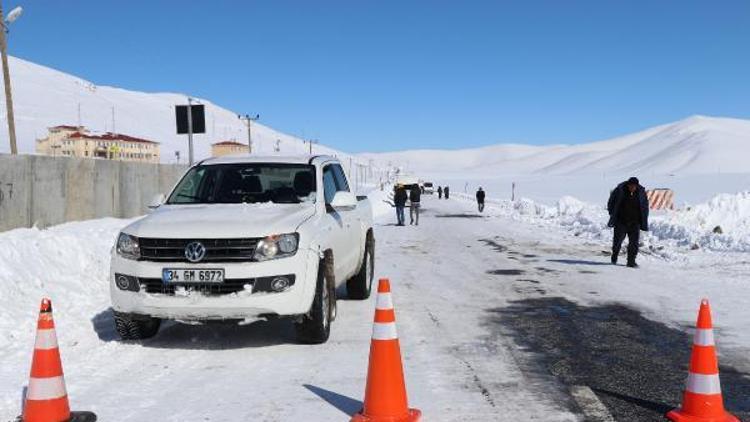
315, 326
136, 327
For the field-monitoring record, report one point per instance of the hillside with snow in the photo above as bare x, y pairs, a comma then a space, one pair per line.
697, 157
696, 145
45, 97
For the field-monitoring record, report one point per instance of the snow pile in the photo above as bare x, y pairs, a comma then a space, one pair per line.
380, 202
527, 207
693, 228
721, 224
69, 262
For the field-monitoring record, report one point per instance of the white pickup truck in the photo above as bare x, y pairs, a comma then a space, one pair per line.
242, 238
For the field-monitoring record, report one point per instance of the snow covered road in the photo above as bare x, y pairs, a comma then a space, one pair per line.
451, 276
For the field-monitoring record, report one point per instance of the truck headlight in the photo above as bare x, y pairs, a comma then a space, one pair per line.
127, 246
277, 246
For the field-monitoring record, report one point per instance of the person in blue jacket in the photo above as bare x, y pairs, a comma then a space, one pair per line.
628, 215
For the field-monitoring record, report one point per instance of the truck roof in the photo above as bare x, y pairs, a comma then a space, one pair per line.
276, 159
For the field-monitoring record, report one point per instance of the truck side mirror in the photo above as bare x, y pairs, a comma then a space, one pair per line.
156, 201
343, 200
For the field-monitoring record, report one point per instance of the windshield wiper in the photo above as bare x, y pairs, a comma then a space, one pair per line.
183, 195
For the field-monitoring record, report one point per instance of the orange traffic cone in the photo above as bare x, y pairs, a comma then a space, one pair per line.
702, 401
46, 397
385, 394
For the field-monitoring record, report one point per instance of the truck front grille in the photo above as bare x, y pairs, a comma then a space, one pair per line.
155, 285
217, 250
231, 285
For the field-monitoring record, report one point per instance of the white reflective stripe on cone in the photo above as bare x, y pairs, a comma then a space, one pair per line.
703, 384
384, 302
703, 337
46, 339
46, 388
384, 331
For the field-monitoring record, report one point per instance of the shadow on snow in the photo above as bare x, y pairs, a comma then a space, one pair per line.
347, 405
212, 335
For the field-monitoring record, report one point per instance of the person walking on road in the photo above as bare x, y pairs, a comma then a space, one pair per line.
480, 199
628, 215
440, 192
399, 199
446, 191
414, 195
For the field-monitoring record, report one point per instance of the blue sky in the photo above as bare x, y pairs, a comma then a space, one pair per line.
387, 75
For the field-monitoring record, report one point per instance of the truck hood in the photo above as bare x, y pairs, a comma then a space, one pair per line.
221, 220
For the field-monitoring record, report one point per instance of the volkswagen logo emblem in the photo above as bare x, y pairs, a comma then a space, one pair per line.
195, 251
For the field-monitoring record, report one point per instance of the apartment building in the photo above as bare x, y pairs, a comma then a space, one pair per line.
77, 141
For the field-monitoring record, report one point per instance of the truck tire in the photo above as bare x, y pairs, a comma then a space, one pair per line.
359, 286
315, 326
131, 327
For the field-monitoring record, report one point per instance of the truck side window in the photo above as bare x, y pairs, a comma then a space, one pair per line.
341, 181
329, 184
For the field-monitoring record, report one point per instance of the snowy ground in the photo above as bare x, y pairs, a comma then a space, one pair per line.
448, 275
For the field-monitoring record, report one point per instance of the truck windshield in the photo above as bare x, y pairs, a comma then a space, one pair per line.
246, 183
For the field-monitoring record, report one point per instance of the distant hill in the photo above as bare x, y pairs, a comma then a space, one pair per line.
696, 145
45, 97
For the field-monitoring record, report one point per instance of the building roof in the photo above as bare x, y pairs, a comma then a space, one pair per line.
66, 127
229, 143
109, 136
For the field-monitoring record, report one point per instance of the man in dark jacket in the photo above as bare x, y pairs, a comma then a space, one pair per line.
480, 199
446, 191
399, 199
628, 214
440, 192
414, 195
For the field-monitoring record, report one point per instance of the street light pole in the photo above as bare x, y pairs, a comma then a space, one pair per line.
249, 122
6, 74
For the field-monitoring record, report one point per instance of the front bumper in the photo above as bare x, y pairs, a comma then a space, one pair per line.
197, 305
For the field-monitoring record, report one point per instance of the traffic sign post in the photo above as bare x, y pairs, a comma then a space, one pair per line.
191, 119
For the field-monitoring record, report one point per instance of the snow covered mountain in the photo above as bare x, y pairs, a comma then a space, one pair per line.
45, 97
696, 145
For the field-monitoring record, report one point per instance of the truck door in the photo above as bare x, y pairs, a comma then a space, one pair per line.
335, 224
352, 224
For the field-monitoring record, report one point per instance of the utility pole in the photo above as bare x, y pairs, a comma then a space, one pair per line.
12, 16
249, 123
190, 130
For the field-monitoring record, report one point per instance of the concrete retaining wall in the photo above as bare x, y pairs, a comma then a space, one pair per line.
42, 191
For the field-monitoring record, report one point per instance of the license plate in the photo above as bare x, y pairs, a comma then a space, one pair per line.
175, 275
